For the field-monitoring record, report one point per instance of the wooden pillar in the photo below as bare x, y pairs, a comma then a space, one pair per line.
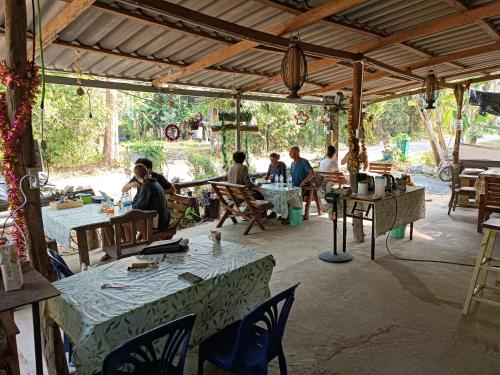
357, 92
238, 123
459, 97
15, 43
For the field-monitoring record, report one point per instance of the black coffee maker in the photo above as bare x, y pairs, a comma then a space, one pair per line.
370, 181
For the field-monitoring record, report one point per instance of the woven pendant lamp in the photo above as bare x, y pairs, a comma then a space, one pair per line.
294, 68
431, 87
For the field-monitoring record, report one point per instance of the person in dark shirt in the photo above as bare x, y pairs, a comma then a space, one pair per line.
135, 184
276, 168
151, 196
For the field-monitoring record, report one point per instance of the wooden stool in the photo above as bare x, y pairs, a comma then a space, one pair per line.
485, 263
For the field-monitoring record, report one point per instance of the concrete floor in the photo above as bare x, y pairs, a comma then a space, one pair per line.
373, 317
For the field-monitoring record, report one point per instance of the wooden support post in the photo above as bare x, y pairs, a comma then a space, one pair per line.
333, 134
15, 46
459, 97
238, 123
357, 91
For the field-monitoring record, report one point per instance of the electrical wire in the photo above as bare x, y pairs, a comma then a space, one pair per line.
415, 259
17, 209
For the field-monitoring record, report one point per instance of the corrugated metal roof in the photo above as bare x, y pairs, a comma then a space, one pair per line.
164, 43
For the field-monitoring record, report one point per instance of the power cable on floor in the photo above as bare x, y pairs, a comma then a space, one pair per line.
415, 259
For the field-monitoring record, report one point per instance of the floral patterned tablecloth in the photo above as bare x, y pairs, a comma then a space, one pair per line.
236, 278
59, 223
406, 207
279, 195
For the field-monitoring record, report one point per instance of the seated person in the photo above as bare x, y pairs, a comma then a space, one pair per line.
133, 183
302, 174
329, 164
301, 170
238, 174
276, 168
151, 196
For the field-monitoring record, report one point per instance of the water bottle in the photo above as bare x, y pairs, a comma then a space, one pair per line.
280, 178
289, 181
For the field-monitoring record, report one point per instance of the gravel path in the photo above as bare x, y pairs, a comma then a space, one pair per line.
432, 185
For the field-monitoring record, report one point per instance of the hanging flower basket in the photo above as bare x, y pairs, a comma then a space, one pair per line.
231, 116
194, 122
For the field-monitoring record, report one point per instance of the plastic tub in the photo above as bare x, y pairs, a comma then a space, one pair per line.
295, 215
398, 232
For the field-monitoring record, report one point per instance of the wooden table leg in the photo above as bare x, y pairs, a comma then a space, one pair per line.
373, 236
37, 338
83, 247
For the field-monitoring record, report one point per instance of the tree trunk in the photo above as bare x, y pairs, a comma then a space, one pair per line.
110, 150
15, 41
436, 149
442, 141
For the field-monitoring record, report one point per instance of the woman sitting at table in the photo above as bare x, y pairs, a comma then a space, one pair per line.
151, 196
329, 164
238, 174
276, 168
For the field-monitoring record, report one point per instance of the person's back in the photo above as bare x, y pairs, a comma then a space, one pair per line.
238, 174
329, 164
152, 197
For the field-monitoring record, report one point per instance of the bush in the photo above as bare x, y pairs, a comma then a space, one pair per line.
427, 158
150, 149
202, 164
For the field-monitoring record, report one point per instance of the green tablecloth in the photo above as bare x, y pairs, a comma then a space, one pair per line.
279, 195
97, 320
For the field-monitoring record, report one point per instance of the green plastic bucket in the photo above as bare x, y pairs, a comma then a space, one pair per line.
295, 215
398, 232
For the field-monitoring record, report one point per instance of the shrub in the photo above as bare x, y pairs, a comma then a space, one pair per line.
150, 149
202, 165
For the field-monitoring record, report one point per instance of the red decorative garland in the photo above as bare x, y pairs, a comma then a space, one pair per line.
172, 132
10, 136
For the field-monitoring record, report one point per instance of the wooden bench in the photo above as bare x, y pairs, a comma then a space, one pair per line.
238, 200
177, 206
490, 201
380, 168
336, 178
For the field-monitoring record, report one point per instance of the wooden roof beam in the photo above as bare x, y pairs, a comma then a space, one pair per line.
488, 48
292, 9
441, 24
51, 30
420, 91
294, 23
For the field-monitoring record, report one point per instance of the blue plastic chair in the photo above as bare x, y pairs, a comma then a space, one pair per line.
61, 270
138, 355
247, 346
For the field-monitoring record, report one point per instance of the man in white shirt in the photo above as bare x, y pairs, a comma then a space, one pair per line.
329, 164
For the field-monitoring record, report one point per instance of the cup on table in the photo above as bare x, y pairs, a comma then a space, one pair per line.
215, 235
110, 210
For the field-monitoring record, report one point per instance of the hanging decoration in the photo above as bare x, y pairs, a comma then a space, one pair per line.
232, 103
194, 122
171, 103
294, 68
90, 104
431, 88
247, 160
223, 149
78, 71
363, 154
336, 103
172, 132
353, 162
10, 137
301, 118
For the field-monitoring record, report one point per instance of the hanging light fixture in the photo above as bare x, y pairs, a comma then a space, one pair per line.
431, 88
294, 68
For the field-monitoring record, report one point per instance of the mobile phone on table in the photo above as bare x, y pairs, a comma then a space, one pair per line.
190, 277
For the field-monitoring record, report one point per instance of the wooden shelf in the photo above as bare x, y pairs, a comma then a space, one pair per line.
245, 128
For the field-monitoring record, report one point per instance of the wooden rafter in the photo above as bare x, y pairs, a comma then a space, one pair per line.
292, 9
292, 24
489, 29
420, 91
488, 48
441, 24
59, 22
